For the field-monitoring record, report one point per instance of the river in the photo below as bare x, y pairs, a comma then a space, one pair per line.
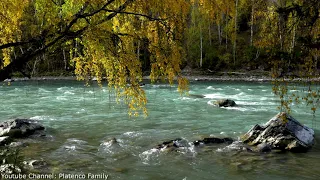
82, 121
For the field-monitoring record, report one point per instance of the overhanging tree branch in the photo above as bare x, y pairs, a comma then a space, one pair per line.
19, 63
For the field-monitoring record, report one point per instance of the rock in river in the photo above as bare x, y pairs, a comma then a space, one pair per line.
172, 144
5, 140
20, 128
181, 143
197, 96
213, 140
281, 132
225, 103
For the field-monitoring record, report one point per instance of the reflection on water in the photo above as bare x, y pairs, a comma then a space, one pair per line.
91, 133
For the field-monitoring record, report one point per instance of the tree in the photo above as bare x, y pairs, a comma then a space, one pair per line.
290, 35
106, 33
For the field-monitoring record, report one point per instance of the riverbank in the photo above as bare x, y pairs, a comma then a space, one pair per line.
222, 76
147, 78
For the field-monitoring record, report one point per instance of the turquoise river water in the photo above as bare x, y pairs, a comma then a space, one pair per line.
82, 121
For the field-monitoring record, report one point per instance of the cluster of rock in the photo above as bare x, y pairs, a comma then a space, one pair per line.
18, 128
10, 133
177, 143
282, 132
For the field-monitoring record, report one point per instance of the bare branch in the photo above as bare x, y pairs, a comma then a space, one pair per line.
98, 10
120, 8
151, 18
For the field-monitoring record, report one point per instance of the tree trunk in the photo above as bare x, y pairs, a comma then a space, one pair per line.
64, 59
316, 63
252, 19
219, 34
201, 48
226, 31
282, 24
210, 40
235, 34
34, 67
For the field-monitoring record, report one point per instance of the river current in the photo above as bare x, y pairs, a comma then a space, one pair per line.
82, 123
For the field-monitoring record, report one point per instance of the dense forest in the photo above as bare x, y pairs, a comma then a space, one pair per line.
209, 34
122, 40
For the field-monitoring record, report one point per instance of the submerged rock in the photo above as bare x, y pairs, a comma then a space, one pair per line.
182, 143
171, 145
263, 147
213, 140
18, 144
281, 132
35, 164
225, 103
8, 80
20, 128
5, 140
197, 96
9, 169
236, 146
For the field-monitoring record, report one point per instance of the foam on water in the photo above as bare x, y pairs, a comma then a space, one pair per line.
41, 118
73, 145
78, 141
62, 98
70, 148
112, 146
90, 92
42, 90
241, 95
256, 103
237, 108
62, 88
18, 89
132, 134
211, 103
150, 156
214, 88
235, 146
214, 96
68, 93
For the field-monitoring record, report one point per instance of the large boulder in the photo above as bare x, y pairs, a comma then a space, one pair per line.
281, 132
225, 103
20, 128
